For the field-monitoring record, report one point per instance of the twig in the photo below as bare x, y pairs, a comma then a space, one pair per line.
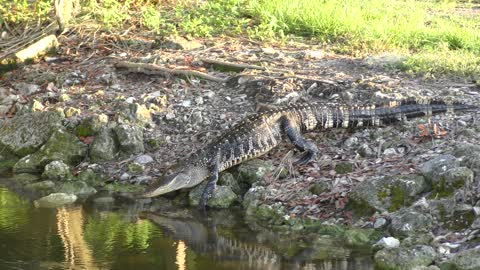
155, 69
239, 66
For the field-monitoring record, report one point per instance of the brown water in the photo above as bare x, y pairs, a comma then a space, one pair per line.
98, 237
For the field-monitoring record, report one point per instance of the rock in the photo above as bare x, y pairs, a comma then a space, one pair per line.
130, 139
469, 155
433, 168
26, 89
227, 179
91, 125
387, 242
404, 258
446, 183
379, 223
71, 112
61, 146
385, 193
365, 151
78, 188
57, 170
144, 159
6, 165
465, 260
350, 142
253, 171
55, 200
90, 177
384, 60
452, 215
223, 197
407, 221
252, 196
103, 147
269, 214
356, 238
23, 135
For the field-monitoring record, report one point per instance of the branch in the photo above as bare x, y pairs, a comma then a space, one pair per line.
158, 70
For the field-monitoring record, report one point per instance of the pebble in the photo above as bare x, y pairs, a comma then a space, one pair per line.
199, 100
170, 116
209, 94
388, 242
379, 223
124, 177
144, 159
390, 152
186, 103
130, 100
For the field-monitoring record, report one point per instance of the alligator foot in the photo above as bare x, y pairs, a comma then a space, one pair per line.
300, 143
210, 187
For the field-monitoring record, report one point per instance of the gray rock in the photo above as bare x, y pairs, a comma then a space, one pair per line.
387, 242
27, 89
227, 179
55, 200
25, 178
253, 171
253, 195
24, 134
446, 183
404, 258
144, 159
365, 151
350, 142
385, 193
223, 197
469, 155
179, 43
384, 60
78, 188
406, 222
465, 260
61, 146
103, 147
379, 223
130, 138
452, 215
433, 168
136, 168
57, 170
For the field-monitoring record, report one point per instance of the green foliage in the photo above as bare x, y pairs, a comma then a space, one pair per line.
22, 11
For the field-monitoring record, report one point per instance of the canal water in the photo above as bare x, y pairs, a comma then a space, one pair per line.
92, 236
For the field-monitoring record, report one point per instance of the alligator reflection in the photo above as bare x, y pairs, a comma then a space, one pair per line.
203, 237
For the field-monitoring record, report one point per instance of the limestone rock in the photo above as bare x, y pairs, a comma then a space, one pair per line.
407, 221
78, 188
466, 260
253, 171
61, 146
404, 258
24, 134
55, 200
57, 170
433, 168
385, 193
103, 147
223, 197
130, 138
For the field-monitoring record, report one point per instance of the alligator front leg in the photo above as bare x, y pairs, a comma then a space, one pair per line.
211, 185
299, 142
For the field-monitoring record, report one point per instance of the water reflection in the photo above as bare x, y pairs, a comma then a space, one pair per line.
85, 237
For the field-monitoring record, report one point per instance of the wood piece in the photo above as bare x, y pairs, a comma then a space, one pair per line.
156, 69
238, 67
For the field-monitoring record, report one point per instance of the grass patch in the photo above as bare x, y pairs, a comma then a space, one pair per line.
436, 36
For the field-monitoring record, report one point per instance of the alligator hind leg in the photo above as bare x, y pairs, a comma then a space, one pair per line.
210, 187
300, 143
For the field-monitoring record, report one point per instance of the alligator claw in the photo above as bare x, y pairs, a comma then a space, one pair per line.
305, 158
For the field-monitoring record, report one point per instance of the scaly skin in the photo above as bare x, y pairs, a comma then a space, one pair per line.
259, 133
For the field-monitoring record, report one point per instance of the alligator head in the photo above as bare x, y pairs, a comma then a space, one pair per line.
185, 177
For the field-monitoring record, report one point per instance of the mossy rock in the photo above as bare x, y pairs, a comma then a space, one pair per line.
61, 146
445, 184
24, 134
404, 258
343, 168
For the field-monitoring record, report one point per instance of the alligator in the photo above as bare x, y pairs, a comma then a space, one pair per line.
259, 133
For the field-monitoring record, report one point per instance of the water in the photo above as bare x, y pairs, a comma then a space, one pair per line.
89, 237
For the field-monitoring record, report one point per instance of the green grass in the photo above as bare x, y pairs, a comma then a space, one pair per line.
435, 38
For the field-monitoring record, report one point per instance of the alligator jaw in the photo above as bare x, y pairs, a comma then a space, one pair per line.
170, 183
